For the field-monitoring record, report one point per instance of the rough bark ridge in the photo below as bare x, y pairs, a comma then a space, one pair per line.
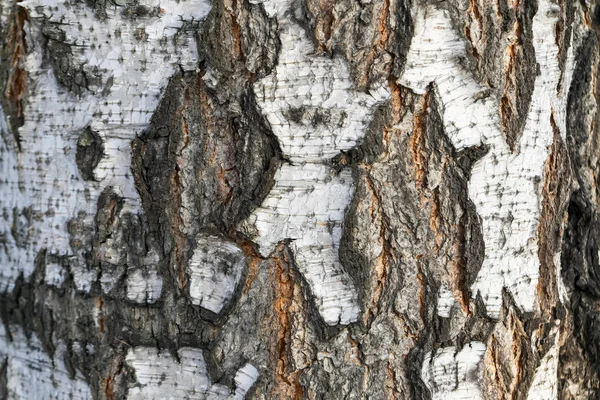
299, 199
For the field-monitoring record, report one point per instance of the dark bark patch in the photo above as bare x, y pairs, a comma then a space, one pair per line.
73, 75
580, 264
135, 10
555, 193
21, 224
595, 16
109, 206
373, 37
509, 361
201, 166
90, 149
13, 76
520, 73
4, 380
410, 229
239, 42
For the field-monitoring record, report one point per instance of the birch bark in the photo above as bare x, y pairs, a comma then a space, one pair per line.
299, 199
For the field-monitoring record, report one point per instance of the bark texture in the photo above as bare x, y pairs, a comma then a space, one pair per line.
286, 199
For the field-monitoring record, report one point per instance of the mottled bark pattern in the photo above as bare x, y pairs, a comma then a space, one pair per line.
286, 199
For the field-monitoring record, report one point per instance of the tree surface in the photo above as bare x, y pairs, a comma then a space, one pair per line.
289, 199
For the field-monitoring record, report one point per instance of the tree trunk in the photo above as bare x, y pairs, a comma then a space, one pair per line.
276, 199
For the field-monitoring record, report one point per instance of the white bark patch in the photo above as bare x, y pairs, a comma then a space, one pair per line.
215, 270
563, 292
160, 376
244, 379
32, 374
545, 380
54, 275
144, 287
504, 186
445, 302
307, 205
314, 112
454, 375
138, 57
83, 279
